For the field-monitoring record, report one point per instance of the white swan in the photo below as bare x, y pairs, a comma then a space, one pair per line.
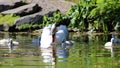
54, 34
8, 42
4, 42
112, 43
46, 37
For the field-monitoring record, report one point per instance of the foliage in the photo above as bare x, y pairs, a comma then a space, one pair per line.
101, 15
28, 26
8, 19
57, 16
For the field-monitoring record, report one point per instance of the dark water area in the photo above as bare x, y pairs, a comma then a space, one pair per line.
88, 51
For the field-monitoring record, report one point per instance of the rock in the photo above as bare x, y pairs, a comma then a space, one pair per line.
10, 4
24, 10
31, 19
52, 5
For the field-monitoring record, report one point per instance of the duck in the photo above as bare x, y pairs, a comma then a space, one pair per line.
9, 42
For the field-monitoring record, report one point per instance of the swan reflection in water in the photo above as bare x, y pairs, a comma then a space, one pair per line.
48, 54
114, 51
58, 51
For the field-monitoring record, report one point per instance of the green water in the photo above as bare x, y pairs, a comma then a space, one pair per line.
87, 52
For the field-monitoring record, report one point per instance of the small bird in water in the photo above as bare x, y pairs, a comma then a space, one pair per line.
8, 42
113, 42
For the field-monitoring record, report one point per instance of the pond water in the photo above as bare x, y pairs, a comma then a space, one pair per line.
87, 52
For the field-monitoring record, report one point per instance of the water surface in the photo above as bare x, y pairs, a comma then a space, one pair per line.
87, 52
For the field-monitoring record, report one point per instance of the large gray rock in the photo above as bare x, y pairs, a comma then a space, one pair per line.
48, 7
10, 4
31, 19
24, 10
51, 5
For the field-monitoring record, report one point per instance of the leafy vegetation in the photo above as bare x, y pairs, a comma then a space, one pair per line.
101, 15
87, 15
8, 19
57, 16
98, 15
29, 26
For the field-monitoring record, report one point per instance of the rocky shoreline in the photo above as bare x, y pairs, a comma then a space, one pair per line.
31, 11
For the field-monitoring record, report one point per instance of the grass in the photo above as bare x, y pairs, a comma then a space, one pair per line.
8, 19
29, 26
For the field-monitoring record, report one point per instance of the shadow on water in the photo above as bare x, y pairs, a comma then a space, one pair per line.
88, 51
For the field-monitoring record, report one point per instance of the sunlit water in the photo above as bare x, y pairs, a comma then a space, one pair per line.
87, 52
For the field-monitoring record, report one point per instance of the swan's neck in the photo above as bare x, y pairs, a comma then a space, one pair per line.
10, 45
53, 38
112, 41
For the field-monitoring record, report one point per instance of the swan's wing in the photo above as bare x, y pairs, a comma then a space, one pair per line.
15, 43
108, 45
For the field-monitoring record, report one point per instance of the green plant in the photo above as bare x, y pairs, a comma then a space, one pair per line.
8, 19
101, 15
57, 16
29, 26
